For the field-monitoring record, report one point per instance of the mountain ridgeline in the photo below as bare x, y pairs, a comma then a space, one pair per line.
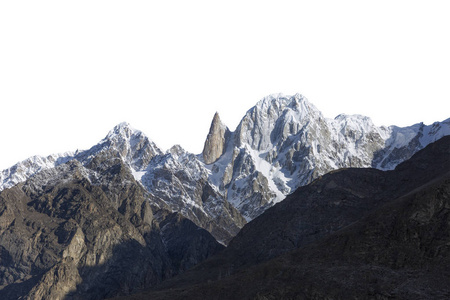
125, 215
282, 143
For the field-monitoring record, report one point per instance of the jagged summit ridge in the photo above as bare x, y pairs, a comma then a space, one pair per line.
175, 180
283, 142
132, 144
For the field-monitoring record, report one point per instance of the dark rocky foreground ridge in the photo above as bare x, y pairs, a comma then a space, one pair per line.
351, 234
78, 232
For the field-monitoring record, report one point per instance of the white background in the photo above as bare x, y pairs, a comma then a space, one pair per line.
72, 70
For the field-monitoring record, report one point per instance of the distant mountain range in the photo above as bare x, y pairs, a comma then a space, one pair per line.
282, 143
124, 215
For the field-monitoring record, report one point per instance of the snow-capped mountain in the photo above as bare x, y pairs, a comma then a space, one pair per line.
130, 144
280, 144
175, 180
88, 231
285, 142
27, 168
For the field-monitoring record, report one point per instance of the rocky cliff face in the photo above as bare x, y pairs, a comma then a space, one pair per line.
215, 143
89, 232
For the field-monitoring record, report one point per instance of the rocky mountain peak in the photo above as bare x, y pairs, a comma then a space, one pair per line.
132, 144
123, 128
123, 133
278, 103
354, 118
216, 141
176, 150
275, 116
349, 125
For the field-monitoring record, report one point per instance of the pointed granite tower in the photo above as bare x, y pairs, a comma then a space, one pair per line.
215, 143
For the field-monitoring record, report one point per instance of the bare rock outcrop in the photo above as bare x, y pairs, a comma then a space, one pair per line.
215, 143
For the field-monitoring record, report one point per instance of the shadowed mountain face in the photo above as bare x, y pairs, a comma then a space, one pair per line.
351, 234
76, 232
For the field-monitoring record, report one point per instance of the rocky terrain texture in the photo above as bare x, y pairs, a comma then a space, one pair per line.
282, 143
351, 234
90, 232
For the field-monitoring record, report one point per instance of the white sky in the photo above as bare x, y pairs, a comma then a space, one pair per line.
72, 70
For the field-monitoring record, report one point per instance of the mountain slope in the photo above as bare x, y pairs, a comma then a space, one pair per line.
88, 232
177, 180
360, 234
